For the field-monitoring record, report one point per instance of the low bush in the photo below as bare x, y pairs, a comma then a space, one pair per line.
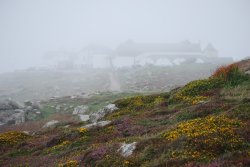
194, 92
59, 147
197, 91
230, 75
12, 138
69, 163
206, 138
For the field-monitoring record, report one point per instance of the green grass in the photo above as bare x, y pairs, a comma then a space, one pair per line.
47, 111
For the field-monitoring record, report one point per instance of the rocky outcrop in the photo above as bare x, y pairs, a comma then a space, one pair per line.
94, 117
19, 117
10, 105
80, 110
12, 112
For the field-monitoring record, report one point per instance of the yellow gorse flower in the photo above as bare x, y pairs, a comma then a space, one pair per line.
207, 134
12, 137
69, 163
83, 130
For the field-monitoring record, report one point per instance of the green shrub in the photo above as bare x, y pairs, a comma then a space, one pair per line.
193, 92
230, 75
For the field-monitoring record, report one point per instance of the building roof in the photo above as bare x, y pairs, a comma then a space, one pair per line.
130, 48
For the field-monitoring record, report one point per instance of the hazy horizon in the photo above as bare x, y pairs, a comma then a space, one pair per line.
30, 29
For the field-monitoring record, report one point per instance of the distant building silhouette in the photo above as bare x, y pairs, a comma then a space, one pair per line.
130, 53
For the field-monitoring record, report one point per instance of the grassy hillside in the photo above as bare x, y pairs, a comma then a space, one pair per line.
204, 123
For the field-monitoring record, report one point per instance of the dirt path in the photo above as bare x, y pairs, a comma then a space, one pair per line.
114, 83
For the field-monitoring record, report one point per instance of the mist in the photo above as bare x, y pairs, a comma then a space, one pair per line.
29, 30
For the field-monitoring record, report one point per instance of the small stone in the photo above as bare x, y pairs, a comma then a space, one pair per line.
83, 117
50, 123
66, 126
127, 149
26, 132
97, 124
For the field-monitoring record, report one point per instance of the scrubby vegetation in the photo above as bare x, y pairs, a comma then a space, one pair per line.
230, 75
204, 123
195, 91
199, 90
206, 138
12, 138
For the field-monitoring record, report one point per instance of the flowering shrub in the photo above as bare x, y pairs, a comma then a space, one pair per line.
126, 163
140, 102
159, 100
137, 102
206, 137
59, 146
83, 131
109, 129
134, 105
12, 137
191, 100
192, 92
69, 163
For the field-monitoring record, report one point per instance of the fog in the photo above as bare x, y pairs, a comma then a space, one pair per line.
30, 30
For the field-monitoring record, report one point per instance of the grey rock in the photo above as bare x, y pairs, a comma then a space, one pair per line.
19, 116
29, 108
50, 124
110, 107
83, 117
66, 126
10, 105
97, 124
94, 117
80, 110
58, 107
26, 132
127, 149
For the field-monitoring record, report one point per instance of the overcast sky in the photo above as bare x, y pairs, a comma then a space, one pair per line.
30, 28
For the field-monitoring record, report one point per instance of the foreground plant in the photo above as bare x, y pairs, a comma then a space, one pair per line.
230, 75
206, 138
69, 163
12, 138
